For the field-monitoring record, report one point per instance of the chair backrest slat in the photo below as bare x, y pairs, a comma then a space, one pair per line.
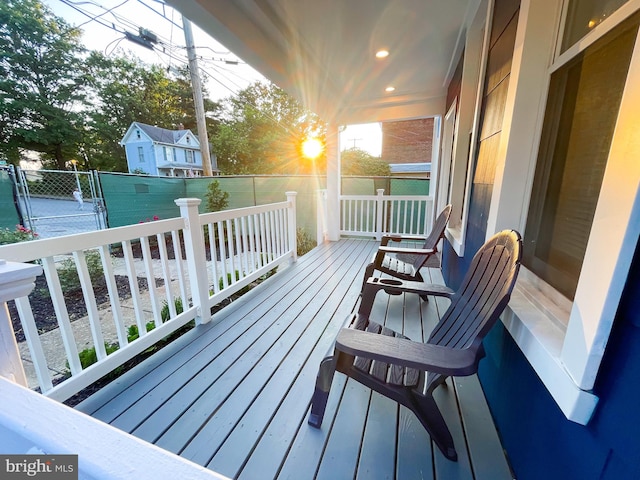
482, 296
437, 232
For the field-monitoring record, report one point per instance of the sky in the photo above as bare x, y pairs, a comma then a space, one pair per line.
104, 23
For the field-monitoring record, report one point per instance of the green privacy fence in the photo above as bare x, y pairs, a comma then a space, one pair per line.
9, 217
132, 199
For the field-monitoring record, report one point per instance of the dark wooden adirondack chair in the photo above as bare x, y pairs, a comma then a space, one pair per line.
402, 369
407, 262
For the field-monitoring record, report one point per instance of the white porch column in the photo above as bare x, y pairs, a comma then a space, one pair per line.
333, 183
16, 281
196, 257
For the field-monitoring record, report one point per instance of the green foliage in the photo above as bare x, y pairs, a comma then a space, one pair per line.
165, 314
68, 273
41, 83
261, 130
89, 356
217, 199
304, 242
355, 161
133, 333
20, 234
139, 171
242, 291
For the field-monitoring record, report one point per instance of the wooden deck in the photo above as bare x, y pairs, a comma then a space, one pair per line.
233, 395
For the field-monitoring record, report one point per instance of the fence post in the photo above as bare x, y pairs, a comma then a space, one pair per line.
379, 212
321, 213
196, 257
293, 237
16, 281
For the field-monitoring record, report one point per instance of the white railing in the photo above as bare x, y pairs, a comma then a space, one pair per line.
224, 252
376, 215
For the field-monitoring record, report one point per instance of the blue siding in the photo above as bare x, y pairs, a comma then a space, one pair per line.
540, 441
149, 164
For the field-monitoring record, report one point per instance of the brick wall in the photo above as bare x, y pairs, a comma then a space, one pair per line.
408, 141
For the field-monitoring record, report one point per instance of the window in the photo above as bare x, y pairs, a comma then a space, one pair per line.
189, 156
584, 15
459, 132
141, 154
164, 154
576, 137
548, 159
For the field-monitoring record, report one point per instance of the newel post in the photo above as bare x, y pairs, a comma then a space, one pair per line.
196, 257
16, 281
293, 237
379, 212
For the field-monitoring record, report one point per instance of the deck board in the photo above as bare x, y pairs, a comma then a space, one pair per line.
233, 394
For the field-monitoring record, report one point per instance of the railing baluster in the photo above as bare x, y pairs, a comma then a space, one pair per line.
213, 252
151, 280
232, 268
62, 314
133, 285
114, 299
252, 242
90, 303
34, 343
223, 256
177, 253
164, 261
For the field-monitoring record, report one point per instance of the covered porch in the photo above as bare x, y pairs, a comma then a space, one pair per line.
233, 394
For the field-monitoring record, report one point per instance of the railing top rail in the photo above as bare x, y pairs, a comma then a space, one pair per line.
386, 197
241, 212
34, 249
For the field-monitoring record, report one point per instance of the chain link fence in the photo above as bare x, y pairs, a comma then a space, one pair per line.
53, 203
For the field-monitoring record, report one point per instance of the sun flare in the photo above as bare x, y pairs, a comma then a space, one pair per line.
312, 147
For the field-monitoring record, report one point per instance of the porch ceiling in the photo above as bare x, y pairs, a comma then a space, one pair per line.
323, 52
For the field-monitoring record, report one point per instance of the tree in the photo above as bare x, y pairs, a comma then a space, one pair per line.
217, 199
355, 161
261, 130
127, 90
41, 83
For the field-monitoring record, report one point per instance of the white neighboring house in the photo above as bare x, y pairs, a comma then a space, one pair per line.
163, 152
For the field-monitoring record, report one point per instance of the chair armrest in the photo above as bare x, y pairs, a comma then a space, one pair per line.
406, 286
412, 251
399, 238
407, 353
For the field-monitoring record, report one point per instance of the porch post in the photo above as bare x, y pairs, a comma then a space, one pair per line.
196, 257
379, 211
333, 183
293, 237
16, 281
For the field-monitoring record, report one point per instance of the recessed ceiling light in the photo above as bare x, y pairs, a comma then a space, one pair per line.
382, 53
389, 89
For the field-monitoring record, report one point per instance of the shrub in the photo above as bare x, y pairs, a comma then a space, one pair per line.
304, 242
88, 356
68, 273
217, 199
20, 234
165, 314
133, 333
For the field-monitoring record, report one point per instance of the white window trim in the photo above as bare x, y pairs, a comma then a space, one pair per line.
467, 119
567, 359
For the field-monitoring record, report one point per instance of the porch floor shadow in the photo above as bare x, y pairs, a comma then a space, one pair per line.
233, 395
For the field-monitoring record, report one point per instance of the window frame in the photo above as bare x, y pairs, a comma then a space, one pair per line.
466, 110
565, 341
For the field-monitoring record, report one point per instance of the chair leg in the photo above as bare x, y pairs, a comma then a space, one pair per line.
427, 411
321, 392
418, 278
368, 272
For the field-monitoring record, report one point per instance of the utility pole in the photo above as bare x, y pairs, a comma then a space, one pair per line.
196, 86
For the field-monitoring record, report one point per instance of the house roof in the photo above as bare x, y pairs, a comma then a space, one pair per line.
162, 135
